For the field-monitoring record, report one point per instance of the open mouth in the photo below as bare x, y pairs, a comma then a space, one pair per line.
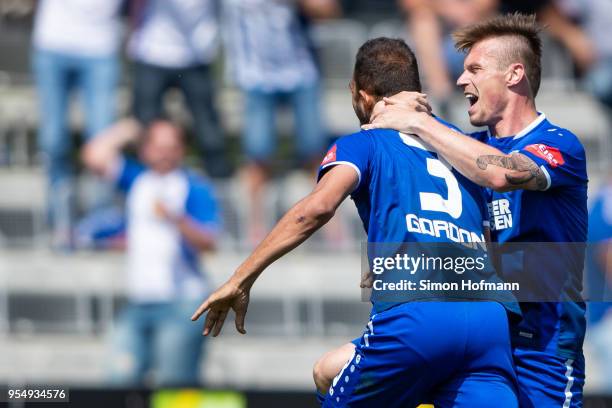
472, 99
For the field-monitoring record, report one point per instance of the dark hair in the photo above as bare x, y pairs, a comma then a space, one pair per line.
524, 45
386, 66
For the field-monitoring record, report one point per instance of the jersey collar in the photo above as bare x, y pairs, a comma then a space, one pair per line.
541, 117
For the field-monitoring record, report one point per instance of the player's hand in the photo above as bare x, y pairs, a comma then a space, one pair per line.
229, 296
401, 112
367, 280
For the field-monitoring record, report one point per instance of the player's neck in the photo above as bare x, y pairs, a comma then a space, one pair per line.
516, 117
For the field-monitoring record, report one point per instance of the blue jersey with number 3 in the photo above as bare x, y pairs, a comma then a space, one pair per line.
406, 193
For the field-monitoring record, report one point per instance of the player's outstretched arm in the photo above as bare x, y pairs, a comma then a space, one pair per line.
481, 163
299, 223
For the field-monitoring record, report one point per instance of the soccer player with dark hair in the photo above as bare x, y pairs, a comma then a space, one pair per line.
452, 353
536, 176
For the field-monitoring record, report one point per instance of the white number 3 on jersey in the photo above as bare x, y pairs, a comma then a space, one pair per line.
435, 202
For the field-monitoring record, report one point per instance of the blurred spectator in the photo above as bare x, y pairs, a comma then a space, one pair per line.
171, 217
589, 42
173, 44
599, 281
581, 26
430, 23
101, 229
271, 59
74, 48
558, 25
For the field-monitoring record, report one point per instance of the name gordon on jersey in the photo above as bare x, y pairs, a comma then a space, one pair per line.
436, 228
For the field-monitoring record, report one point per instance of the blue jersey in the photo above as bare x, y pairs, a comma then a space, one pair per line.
406, 193
558, 214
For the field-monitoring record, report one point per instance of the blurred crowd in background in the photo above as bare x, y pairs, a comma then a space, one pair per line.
159, 176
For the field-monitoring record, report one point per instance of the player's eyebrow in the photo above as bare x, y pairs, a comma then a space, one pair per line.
472, 67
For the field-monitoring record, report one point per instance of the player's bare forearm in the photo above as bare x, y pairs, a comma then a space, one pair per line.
461, 151
523, 172
299, 223
481, 163
293, 229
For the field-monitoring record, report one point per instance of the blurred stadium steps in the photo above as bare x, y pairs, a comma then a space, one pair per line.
21, 210
56, 313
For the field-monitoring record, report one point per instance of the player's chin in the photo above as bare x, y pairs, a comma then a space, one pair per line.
477, 120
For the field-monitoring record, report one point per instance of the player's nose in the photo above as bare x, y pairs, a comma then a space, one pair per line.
462, 81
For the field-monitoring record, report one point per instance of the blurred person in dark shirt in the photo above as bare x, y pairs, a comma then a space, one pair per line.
172, 216
75, 48
173, 44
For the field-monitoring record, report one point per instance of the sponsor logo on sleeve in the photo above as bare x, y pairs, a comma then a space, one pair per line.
551, 154
330, 156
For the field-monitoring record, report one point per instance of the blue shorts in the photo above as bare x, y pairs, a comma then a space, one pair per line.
545, 380
451, 354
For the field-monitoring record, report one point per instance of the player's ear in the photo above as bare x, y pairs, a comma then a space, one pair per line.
369, 101
367, 98
515, 74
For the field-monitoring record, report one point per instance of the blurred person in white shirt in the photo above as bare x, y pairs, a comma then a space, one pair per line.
171, 216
